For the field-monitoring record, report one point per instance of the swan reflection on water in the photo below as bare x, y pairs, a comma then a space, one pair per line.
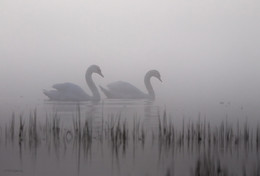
97, 109
76, 152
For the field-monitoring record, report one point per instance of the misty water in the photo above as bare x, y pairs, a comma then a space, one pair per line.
127, 137
205, 117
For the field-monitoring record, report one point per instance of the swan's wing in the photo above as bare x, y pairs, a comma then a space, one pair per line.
106, 92
67, 87
70, 91
54, 95
125, 89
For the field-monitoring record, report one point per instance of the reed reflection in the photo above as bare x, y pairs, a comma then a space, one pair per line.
92, 132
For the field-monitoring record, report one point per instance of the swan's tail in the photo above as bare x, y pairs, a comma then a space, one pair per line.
105, 91
47, 93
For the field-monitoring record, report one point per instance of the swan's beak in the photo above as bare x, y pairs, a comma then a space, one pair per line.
160, 79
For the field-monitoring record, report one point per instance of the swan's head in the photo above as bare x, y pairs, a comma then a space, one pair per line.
95, 69
155, 73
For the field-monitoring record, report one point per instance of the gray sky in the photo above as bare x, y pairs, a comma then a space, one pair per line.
205, 50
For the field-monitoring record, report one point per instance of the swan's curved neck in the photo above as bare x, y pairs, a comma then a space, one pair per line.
148, 85
92, 86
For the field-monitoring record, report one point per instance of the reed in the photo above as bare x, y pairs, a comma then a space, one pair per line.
136, 127
117, 131
199, 134
56, 126
207, 166
21, 130
0, 134
32, 129
87, 132
12, 126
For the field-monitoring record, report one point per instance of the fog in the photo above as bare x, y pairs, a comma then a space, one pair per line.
205, 50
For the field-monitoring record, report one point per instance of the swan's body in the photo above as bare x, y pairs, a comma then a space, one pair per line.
72, 92
125, 90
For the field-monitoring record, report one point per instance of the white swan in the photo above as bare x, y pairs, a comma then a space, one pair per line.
72, 92
124, 90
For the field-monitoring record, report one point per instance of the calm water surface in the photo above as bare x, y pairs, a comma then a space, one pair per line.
66, 152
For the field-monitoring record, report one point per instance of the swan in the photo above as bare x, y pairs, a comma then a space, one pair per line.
72, 92
125, 90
